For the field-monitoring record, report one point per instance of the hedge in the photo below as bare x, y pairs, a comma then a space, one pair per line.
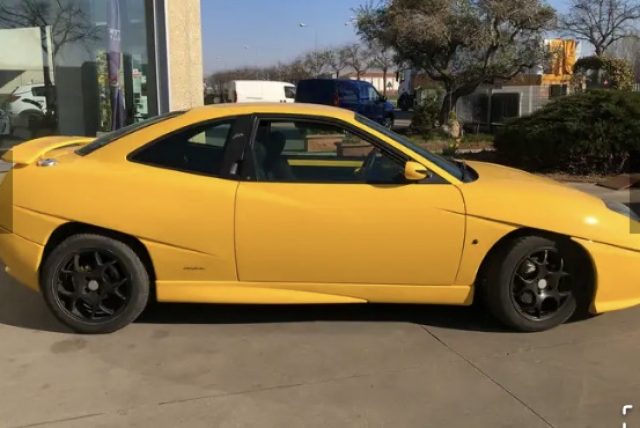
597, 132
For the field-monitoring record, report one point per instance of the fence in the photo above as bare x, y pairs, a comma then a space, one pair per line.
490, 107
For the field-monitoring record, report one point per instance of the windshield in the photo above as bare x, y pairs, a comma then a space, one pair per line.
441, 162
110, 137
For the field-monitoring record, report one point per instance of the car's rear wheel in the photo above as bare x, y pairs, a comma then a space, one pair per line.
532, 284
95, 284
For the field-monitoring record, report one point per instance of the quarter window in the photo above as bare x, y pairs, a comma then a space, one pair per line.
314, 152
199, 150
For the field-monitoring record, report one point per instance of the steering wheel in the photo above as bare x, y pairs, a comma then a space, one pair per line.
368, 163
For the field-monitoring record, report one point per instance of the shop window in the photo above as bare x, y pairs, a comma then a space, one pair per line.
85, 72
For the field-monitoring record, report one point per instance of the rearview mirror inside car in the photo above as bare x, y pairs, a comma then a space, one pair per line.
414, 171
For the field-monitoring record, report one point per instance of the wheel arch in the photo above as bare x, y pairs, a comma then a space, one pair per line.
67, 230
580, 252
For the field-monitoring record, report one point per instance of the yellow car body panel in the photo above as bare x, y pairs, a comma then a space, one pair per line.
225, 241
617, 276
333, 235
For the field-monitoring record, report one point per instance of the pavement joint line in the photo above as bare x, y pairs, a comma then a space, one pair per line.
57, 421
486, 375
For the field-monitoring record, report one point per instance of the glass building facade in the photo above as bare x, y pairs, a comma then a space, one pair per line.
75, 67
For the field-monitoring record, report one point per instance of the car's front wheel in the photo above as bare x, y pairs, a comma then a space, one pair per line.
532, 284
95, 284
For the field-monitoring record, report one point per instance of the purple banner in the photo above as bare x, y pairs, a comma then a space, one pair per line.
114, 59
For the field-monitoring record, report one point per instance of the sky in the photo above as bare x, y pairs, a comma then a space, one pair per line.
263, 32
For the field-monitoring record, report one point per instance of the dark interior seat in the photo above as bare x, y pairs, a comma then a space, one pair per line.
272, 165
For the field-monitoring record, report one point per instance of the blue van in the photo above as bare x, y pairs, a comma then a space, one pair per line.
361, 97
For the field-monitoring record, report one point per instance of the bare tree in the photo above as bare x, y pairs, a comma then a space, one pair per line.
316, 61
358, 58
629, 49
337, 60
67, 20
601, 22
382, 58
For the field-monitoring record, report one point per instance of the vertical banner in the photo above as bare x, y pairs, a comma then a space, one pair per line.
114, 60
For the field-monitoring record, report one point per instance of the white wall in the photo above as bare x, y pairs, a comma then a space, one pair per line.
21, 55
378, 82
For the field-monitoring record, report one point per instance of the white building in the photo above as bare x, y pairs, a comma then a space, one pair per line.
376, 78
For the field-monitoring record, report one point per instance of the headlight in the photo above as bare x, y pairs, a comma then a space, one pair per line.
623, 209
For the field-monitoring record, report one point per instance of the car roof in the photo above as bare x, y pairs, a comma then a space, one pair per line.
355, 82
273, 82
222, 110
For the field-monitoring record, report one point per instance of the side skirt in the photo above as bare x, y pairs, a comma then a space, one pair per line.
302, 293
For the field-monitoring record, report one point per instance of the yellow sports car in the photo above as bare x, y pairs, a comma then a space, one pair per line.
301, 204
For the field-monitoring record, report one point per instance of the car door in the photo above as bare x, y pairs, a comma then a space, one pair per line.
318, 210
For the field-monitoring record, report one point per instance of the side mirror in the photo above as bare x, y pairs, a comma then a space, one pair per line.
414, 171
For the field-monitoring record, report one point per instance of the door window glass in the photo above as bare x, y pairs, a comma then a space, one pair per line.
39, 91
348, 93
373, 94
313, 152
289, 92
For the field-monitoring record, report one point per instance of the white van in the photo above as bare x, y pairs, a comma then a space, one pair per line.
259, 91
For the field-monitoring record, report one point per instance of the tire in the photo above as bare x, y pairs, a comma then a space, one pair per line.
95, 284
387, 122
518, 294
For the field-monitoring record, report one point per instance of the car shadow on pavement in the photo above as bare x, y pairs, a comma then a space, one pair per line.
25, 308
451, 317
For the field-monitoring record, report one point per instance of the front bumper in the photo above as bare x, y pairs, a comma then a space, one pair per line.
617, 275
21, 258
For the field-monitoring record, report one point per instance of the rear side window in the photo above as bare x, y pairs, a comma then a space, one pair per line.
199, 150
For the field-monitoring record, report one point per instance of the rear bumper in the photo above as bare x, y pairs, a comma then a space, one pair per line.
21, 258
617, 274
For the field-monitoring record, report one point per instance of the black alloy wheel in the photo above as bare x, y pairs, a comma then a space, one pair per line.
540, 286
95, 284
532, 283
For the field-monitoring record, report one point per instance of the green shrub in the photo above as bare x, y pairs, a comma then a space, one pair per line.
603, 72
594, 132
425, 118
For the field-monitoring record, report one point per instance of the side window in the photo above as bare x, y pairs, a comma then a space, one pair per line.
348, 93
373, 94
198, 150
289, 92
314, 152
39, 91
215, 136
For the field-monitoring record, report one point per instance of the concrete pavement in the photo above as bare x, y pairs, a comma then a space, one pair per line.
351, 366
